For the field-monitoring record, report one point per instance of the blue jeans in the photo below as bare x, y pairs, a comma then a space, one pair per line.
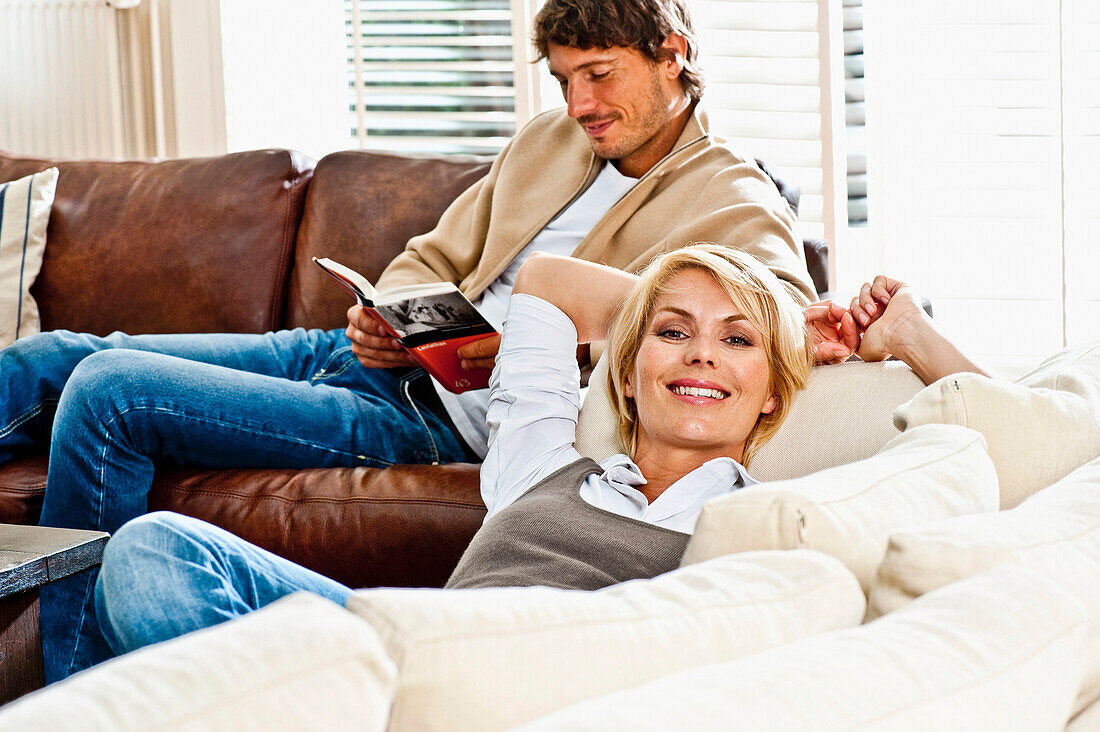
164, 575
111, 409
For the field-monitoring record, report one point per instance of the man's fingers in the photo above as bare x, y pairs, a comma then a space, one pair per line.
478, 363
481, 349
380, 359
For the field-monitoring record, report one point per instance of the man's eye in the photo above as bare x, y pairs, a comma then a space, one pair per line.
600, 75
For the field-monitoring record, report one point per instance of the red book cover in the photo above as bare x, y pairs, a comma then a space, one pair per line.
431, 322
440, 359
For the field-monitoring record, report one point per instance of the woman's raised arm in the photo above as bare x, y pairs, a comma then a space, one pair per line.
585, 291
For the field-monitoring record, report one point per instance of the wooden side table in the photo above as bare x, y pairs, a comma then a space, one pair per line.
31, 556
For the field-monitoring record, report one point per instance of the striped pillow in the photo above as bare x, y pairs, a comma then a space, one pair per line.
24, 212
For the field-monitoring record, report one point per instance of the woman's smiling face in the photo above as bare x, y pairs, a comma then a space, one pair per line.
702, 376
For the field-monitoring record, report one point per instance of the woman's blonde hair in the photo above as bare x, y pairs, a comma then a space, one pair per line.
773, 307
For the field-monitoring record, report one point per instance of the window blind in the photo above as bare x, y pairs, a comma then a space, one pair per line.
855, 113
431, 75
977, 161
761, 60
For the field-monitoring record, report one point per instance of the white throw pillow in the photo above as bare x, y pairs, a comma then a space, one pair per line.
489, 658
843, 415
1055, 533
300, 663
1038, 429
24, 213
995, 652
849, 511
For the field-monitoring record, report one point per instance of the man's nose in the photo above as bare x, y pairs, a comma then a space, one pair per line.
580, 100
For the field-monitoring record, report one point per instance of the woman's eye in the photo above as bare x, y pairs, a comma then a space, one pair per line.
673, 333
738, 340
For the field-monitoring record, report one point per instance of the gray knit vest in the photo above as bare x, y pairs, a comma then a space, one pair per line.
550, 536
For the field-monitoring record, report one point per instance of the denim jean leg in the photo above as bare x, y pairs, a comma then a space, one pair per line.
35, 369
124, 411
165, 575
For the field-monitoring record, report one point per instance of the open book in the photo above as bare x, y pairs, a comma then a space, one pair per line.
430, 321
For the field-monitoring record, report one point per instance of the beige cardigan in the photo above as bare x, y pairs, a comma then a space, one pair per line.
699, 192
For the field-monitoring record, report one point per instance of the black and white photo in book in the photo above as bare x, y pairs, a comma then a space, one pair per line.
444, 313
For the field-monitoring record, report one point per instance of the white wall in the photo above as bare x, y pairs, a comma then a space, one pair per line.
285, 75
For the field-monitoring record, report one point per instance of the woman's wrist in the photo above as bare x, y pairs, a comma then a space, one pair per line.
910, 335
931, 355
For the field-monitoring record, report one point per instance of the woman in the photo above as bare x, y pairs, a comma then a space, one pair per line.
708, 350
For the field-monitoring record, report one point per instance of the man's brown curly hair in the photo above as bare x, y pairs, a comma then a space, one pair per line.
639, 24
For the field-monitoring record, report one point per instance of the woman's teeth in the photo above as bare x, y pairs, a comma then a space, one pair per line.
695, 391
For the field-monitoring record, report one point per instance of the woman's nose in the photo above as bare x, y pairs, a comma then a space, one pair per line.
700, 351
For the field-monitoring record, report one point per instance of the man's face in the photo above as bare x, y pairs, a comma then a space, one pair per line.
624, 101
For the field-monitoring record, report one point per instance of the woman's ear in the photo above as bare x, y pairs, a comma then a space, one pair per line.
770, 405
628, 388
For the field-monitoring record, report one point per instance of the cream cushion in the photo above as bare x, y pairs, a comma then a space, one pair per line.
1037, 430
1055, 533
1086, 721
924, 474
488, 658
302, 663
24, 213
997, 652
843, 415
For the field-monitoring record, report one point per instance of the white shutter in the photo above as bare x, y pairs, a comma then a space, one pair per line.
432, 75
764, 81
1081, 84
964, 131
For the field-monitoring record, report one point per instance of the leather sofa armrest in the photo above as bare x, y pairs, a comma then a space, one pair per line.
402, 526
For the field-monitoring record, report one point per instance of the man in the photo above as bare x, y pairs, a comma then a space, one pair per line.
627, 171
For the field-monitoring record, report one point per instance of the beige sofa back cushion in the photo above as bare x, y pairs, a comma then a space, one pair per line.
300, 663
924, 474
489, 658
843, 415
1038, 429
1055, 533
954, 660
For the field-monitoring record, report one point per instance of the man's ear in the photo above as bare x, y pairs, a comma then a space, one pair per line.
674, 48
770, 405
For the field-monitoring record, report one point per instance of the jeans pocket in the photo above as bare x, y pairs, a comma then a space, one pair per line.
340, 362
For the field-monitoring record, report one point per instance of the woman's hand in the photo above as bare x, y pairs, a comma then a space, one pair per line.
833, 332
370, 342
890, 315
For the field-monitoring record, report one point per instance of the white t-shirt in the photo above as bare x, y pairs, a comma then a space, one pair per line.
561, 236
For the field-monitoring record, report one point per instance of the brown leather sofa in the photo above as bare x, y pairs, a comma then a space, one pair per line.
224, 244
